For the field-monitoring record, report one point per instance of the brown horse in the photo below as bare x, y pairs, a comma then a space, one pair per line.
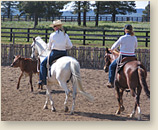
132, 76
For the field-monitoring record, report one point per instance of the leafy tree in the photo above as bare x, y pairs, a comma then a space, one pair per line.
7, 6
97, 11
115, 7
77, 10
86, 7
79, 7
41, 8
53, 8
146, 12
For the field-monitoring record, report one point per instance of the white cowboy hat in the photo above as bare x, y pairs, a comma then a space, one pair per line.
56, 23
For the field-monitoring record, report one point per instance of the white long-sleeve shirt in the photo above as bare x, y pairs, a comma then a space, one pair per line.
127, 44
59, 41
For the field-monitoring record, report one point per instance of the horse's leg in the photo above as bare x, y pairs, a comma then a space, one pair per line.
67, 91
19, 80
135, 107
46, 102
30, 75
137, 100
120, 100
50, 98
74, 97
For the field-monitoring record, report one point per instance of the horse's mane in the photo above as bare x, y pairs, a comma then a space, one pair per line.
41, 44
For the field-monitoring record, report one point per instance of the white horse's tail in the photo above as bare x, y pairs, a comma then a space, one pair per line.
75, 70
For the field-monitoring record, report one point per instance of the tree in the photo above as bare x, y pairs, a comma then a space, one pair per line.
7, 6
146, 12
81, 6
41, 8
53, 8
77, 10
97, 12
116, 7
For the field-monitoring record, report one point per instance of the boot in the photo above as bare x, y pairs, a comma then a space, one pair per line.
110, 85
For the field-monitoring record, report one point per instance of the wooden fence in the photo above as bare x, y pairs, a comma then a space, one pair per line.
74, 18
91, 58
75, 34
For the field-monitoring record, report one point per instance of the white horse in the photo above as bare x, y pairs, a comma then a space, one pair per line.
61, 71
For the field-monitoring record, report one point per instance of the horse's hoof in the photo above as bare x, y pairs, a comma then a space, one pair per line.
139, 117
130, 115
66, 109
117, 112
45, 107
53, 110
122, 108
17, 87
71, 113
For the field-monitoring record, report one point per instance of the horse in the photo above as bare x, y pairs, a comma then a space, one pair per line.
64, 69
132, 76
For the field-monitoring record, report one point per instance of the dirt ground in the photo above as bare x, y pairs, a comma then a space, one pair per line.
24, 105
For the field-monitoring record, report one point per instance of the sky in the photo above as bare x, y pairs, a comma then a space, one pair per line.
139, 5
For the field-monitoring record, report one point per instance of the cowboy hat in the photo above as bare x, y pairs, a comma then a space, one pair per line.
56, 23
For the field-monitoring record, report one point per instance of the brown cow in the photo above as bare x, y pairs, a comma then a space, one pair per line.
27, 66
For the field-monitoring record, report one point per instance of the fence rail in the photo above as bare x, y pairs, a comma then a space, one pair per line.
74, 18
75, 34
91, 58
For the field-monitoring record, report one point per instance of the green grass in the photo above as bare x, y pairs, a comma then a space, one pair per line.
138, 26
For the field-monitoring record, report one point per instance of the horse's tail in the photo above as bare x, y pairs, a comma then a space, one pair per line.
142, 78
75, 70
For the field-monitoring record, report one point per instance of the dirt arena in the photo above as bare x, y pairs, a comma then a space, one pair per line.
24, 105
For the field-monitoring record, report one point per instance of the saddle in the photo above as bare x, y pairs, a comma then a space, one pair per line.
124, 61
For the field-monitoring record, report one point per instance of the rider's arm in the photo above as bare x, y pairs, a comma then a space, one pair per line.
116, 44
136, 43
68, 42
50, 42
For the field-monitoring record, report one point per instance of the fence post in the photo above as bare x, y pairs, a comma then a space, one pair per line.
11, 30
13, 38
146, 42
84, 37
46, 35
11, 53
103, 37
28, 35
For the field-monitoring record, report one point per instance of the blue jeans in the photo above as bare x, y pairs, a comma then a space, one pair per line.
112, 68
55, 54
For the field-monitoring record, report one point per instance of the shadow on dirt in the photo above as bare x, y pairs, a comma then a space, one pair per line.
52, 92
109, 117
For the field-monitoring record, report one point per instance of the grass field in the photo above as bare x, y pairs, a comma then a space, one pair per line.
138, 26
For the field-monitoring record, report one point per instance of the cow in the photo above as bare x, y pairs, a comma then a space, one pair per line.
27, 66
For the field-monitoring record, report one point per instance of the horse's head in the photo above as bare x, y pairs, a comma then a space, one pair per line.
16, 61
34, 53
38, 48
107, 59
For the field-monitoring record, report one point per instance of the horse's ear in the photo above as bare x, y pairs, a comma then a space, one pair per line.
107, 50
33, 39
14, 57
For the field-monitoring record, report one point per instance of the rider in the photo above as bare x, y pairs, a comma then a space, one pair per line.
59, 41
128, 44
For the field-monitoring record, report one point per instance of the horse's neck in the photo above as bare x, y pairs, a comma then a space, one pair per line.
42, 49
114, 56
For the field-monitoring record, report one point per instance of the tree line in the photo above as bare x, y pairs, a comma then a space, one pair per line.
50, 9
